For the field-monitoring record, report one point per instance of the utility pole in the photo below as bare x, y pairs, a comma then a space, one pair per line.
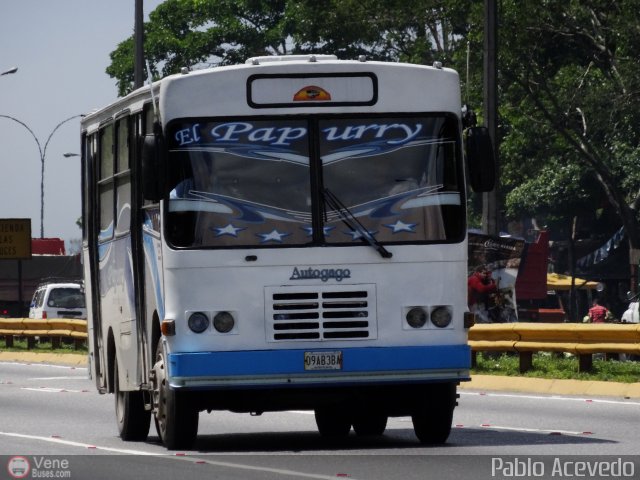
138, 68
490, 92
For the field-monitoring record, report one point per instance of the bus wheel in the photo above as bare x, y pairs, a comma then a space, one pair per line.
370, 424
176, 419
332, 422
133, 419
433, 416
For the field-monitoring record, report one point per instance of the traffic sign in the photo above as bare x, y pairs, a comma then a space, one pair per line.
15, 238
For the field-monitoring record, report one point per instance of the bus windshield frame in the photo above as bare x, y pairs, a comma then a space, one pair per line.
260, 182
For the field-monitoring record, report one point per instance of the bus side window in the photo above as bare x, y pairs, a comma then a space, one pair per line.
105, 183
123, 178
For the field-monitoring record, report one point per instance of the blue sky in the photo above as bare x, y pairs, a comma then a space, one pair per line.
61, 49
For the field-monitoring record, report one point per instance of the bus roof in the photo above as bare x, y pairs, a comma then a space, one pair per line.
270, 85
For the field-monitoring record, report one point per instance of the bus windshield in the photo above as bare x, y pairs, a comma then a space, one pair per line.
248, 183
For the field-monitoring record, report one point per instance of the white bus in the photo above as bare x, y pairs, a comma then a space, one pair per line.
285, 234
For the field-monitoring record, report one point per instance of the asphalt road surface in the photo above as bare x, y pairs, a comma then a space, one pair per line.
55, 425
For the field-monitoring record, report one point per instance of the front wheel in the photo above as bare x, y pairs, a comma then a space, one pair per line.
133, 419
433, 414
176, 419
332, 422
370, 424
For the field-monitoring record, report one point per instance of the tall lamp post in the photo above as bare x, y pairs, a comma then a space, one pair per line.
43, 153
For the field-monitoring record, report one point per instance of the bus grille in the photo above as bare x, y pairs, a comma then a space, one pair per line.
321, 313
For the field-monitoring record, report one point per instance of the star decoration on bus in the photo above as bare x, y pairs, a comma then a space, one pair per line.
325, 230
273, 236
355, 235
230, 230
400, 226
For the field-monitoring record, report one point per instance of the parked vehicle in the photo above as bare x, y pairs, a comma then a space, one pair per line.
58, 300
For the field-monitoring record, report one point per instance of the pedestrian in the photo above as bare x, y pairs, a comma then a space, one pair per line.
479, 286
598, 313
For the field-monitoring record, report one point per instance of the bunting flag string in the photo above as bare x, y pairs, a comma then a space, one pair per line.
603, 252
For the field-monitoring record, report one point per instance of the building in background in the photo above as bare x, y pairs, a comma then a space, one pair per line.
19, 278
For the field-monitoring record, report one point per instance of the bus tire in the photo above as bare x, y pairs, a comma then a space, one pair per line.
433, 414
132, 418
370, 424
175, 418
332, 422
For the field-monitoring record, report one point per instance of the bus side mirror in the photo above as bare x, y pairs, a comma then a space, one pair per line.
480, 159
151, 188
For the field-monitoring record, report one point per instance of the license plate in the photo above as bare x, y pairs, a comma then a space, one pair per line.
323, 360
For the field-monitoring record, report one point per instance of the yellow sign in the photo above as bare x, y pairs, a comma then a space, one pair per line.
15, 238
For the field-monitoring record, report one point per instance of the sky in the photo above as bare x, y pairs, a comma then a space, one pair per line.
61, 49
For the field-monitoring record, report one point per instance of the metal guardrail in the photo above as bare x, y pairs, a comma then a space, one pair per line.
582, 340
54, 328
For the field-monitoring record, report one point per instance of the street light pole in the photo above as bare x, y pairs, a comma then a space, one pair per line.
43, 153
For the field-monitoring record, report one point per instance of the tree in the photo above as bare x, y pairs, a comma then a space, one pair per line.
570, 71
189, 33
420, 31
539, 197
186, 33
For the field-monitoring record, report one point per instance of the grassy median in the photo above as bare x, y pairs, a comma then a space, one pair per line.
560, 366
45, 346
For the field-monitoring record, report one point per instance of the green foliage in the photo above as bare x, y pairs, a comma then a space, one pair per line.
569, 83
45, 346
548, 365
188, 33
420, 31
541, 193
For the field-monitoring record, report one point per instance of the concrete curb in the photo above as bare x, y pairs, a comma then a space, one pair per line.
554, 387
478, 382
70, 359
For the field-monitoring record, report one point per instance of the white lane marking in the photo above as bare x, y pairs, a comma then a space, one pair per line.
51, 390
552, 397
58, 378
527, 430
180, 457
75, 444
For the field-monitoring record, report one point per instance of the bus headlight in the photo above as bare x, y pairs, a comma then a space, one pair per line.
223, 322
198, 322
416, 317
441, 317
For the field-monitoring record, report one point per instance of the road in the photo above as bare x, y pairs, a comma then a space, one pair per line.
53, 414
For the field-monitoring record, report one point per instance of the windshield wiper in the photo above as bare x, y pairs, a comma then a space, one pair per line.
353, 223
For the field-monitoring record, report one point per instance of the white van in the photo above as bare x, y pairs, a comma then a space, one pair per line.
58, 300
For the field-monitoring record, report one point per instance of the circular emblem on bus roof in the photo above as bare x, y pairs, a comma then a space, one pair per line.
311, 93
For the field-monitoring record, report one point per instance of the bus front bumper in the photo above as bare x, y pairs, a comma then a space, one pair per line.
286, 368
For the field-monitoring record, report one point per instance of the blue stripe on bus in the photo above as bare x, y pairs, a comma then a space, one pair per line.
289, 362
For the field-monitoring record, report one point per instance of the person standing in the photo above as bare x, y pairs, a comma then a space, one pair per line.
598, 313
479, 286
